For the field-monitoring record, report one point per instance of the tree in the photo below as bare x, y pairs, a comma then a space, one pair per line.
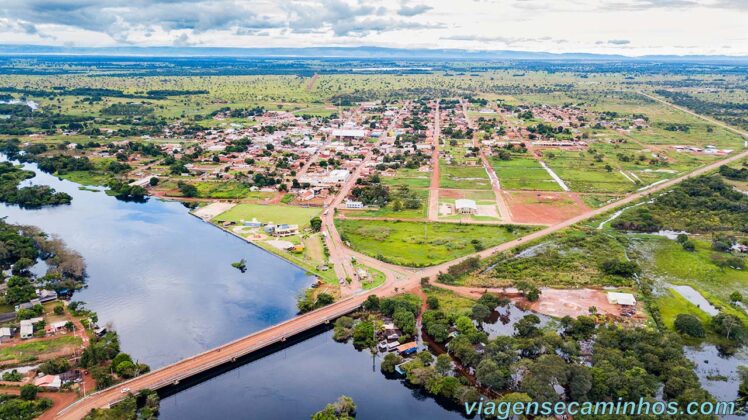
405, 320
619, 268
729, 326
363, 334
432, 302
736, 297
55, 366
316, 223
187, 190
490, 374
126, 369
59, 310
390, 361
580, 382
28, 392
153, 181
342, 409
527, 326
480, 312
690, 325
371, 303
443, 364
324, 299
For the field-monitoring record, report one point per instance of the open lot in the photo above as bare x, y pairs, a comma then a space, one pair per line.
422, 243
277, 214
523, 174
544, 206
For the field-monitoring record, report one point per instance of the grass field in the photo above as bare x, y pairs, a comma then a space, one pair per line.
422, 244
269, 213
696, 269
28, 351
463, 177
523, 174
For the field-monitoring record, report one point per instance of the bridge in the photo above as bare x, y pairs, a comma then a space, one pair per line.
399, 280
224, 355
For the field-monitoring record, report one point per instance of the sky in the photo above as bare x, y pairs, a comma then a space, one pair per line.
629, 27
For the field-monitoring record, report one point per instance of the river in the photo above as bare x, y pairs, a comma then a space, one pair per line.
163, 279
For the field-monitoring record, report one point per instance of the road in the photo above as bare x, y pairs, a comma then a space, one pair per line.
433, 213
399, 279
504, 212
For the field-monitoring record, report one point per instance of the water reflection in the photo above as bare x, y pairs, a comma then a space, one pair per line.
162, 277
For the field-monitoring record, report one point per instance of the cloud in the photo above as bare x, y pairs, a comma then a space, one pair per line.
619, 41
628, 5
414, 10
501, 39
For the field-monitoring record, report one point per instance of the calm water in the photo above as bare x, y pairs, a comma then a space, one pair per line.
162, 277
164, 280
298, 381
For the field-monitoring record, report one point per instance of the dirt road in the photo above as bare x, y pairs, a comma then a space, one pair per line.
433, 213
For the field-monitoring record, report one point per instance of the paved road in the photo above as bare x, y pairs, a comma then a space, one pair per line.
399, 279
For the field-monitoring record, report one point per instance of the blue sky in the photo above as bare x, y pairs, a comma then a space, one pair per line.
631, 27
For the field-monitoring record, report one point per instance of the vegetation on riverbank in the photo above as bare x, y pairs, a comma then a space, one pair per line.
33, 196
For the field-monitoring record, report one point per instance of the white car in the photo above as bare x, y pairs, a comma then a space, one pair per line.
125, 390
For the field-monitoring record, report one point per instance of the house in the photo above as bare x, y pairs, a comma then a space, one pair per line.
285, 230
465, 206
27, 327
28, 305
353, 204
625, 299
5, 334
55, 327
254, 223
407, 348
52, 382
46, 295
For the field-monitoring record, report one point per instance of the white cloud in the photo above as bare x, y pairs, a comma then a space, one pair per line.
604, 26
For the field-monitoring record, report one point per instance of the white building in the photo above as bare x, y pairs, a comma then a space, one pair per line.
27, 327
465, 206
626, 299
346, 133
354, 204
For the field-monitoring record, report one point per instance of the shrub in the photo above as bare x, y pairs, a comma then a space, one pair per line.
689, 325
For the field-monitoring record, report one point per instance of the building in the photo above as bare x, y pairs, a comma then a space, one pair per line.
465, 206
27, 327
625, 299
52, 382
348, 134
254, 223
46, 295
407, 348
5, 334
353, 204
338, 176
285, 230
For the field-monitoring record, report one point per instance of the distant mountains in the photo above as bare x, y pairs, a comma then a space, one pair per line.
356, 53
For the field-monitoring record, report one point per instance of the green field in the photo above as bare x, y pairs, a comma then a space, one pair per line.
28, 351
523, 174
463, 177
421, 243
277, 214
697, 269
